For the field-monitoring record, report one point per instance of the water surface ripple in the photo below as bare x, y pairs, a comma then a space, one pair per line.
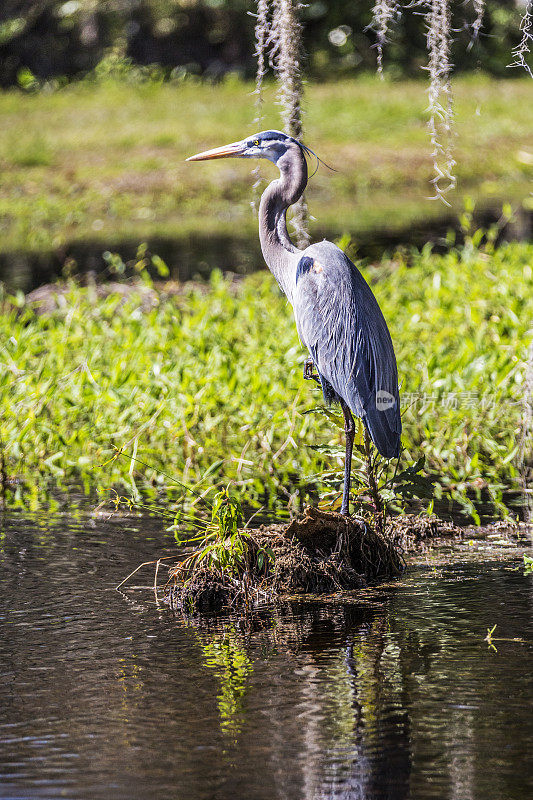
392, 694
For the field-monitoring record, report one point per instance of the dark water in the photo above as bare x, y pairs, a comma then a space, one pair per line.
391, 695
195, 256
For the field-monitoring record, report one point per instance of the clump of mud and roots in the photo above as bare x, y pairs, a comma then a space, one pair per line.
319, 552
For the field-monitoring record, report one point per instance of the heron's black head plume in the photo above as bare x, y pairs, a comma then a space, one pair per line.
308, 151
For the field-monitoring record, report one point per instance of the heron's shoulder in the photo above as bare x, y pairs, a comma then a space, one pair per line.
327, 252
328, 261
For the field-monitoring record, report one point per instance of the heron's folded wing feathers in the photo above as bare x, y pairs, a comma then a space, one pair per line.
340, 322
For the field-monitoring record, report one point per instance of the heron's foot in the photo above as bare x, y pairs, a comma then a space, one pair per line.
309, 375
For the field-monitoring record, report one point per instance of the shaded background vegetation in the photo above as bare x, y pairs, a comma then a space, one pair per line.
55, 38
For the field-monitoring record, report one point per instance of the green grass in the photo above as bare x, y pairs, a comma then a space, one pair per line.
213, 379
105, 161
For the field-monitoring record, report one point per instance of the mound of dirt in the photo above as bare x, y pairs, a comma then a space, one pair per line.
318, 552
410, 532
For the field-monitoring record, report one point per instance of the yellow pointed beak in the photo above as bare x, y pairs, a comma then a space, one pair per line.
228, 150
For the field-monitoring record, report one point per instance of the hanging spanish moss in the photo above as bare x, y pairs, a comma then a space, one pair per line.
437, 17
523, 49
383, 13
262, 33
279, 44
278, 36
479, 8
440, 108
287, 52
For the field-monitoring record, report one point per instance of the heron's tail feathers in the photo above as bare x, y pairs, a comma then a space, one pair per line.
384, 427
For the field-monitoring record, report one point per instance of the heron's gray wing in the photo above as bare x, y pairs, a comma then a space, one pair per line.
341, 324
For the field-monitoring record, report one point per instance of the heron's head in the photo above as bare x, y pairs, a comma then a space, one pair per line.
267, 144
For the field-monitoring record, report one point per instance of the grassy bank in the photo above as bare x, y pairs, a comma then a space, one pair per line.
105, 162
212, 379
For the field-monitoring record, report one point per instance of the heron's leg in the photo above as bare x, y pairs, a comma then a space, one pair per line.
371, 474
349, 429
309, 375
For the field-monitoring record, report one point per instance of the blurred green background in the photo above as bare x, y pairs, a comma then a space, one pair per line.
101, 166
103, 101
101, 104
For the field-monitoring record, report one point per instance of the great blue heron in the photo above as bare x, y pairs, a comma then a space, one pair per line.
337, 316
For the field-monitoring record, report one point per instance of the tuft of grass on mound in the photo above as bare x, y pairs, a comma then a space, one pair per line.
205, 383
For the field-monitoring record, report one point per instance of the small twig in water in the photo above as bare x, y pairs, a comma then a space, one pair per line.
489, 638
144, 564
3, 474
155, 578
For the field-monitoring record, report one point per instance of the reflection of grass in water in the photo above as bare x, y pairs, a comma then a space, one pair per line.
226, 657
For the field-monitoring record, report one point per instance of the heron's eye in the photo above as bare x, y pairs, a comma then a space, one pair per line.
256, 142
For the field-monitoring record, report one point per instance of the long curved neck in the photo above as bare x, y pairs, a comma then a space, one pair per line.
278, 196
